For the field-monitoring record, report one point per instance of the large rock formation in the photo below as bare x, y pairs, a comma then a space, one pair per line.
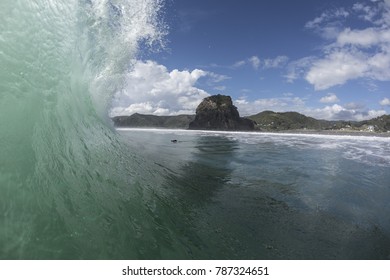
218, 113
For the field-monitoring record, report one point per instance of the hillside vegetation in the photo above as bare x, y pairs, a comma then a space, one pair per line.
151, 121
218, 113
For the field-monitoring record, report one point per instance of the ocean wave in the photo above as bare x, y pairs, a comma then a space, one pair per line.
64, 174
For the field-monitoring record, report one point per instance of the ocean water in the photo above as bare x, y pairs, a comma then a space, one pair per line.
271, 196
73, 187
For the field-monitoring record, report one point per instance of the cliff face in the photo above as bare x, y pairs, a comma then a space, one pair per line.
218, 113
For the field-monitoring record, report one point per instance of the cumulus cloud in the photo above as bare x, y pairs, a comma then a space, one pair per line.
330, 98
338, 112
336, 69
153, 89
343, 65
385, 102
351, 53
354, 53
364, 38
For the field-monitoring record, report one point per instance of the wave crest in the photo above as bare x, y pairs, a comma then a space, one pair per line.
61, 164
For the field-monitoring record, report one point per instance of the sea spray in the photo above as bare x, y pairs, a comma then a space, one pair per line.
63, 172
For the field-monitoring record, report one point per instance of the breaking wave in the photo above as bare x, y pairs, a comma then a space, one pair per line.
64, 175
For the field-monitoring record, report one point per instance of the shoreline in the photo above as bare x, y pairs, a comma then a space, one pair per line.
282, 132
336, 132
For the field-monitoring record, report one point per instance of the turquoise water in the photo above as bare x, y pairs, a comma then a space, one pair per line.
72, 187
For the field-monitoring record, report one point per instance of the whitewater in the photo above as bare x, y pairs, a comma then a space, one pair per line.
74, 187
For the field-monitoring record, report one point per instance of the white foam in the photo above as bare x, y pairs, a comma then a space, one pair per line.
372, 150
262, 134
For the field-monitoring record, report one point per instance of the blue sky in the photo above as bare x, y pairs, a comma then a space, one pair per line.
326, 59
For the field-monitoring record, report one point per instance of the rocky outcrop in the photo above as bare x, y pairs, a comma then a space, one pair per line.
218, 113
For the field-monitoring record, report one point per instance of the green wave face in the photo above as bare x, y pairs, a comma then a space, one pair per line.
65, 179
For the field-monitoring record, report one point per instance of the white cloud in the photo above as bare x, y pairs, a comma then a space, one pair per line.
152, 89
239, 64
338, 112
217, 78
379, 66
385, 102
327, 25
328, 16
276, 62
281, 104
330, 112
298, 68
268, 63
330, 98
337, 68
362, 38
354, 53
366, 12
343, 65
255, 62
378, 13
353, 112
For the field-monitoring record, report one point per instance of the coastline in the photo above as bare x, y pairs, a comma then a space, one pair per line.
333, 133
337, 132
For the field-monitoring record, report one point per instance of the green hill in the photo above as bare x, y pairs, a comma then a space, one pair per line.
271, 121
265, 121
151, 121
379, 124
